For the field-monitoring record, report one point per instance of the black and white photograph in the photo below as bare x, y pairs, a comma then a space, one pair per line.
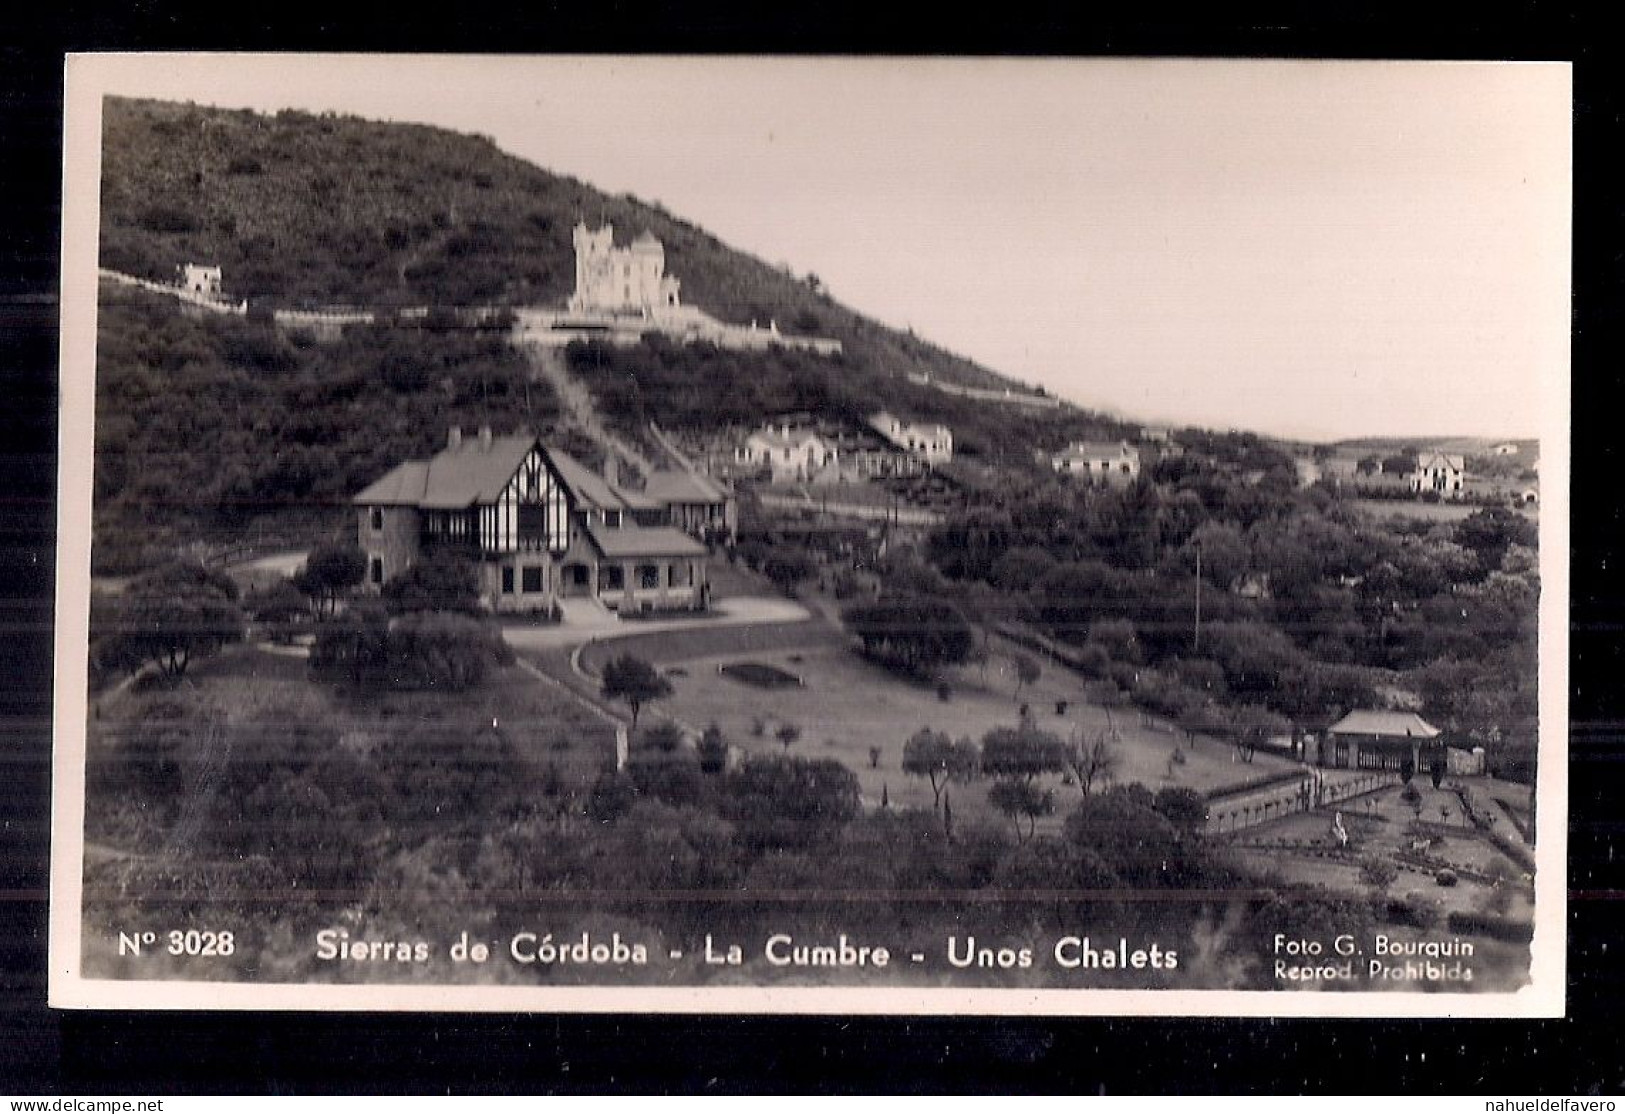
813, 535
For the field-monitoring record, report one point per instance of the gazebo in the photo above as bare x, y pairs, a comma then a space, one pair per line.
1373, 740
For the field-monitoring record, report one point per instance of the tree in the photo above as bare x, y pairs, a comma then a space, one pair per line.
1490, 532
1022, 800
173, 615
1124, 828
329, 573
1106, 695
1019, 568
443, 582
784, 803
1399, 464
1251, 726
1118, 638
634, 682
938, 758
1094, 761
787, 568
1027, 671
914, 634
1378, 873
1022, 753
279, 609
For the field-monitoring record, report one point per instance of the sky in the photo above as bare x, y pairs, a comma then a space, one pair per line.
1309, 249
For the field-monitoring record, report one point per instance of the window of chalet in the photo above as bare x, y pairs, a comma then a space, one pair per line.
377, 518
648, 576
375, 570
507, 580
611, 578
530, 579
532, 521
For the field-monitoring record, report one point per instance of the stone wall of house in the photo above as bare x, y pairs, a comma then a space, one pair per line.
388, 535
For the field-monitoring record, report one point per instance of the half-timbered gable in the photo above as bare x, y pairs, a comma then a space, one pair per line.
532, 513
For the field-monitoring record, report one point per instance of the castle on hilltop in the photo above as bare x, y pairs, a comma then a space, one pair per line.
622, 294
621, 281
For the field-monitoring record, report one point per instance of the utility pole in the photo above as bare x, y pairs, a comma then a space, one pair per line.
1196, 641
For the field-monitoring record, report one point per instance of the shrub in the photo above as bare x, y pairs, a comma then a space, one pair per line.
672, 777
438, 583
1411, 911
442, 651
713, 751
663, 737
1378, 872
1496, 928
1446, 877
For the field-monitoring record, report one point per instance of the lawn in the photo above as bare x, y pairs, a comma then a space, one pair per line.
846, 706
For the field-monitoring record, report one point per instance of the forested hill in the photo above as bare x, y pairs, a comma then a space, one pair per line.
304, 210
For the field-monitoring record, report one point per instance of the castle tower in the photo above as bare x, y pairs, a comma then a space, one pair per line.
622, 281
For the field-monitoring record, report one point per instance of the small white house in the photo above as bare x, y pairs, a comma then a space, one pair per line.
1445, 473
791, 454
200, 280
932, 443
1099, 461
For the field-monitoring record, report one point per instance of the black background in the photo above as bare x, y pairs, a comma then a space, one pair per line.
48, 1052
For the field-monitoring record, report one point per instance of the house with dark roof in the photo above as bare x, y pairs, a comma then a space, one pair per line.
695, 504
1367, 739
538, 524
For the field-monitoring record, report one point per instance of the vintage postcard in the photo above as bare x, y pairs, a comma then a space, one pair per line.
813, 536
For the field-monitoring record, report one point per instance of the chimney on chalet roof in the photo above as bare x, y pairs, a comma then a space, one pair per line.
454, 437
485, 438
612, 469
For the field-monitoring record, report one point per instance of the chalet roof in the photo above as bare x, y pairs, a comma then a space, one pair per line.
1453, 461
1396, 725
643, 541
587, 487
1096, 450
452, 478
669, 487
796, 438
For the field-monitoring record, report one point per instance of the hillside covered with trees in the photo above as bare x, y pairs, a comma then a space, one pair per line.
303, 210
210, 427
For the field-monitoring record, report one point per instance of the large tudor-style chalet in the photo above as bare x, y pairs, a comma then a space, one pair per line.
542, 527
